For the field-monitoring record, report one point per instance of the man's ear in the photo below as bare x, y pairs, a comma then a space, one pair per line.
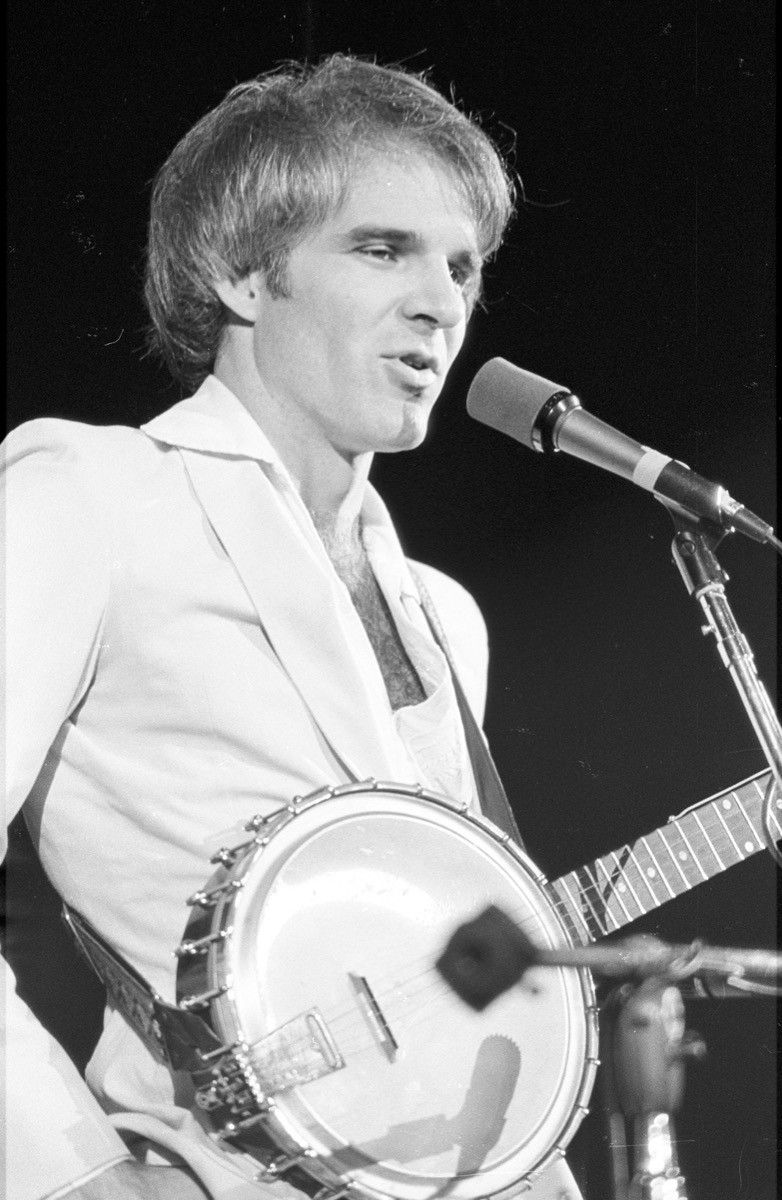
242, 296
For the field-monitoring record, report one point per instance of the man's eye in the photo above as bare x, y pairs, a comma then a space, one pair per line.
382, 253
468, 282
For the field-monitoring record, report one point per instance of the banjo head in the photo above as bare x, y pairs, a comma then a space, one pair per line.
332, 929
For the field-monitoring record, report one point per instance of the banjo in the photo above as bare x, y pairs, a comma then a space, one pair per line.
321, 1038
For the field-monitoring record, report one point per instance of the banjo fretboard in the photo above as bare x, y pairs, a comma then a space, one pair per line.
612, 891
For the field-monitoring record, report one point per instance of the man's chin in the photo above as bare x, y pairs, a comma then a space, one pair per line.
405, 434
409, 441
414, 427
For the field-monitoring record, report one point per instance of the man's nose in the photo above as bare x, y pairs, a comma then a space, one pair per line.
435, 297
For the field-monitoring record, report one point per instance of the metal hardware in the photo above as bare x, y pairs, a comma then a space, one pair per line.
226, 856
188, 1003
370, 784
303, 803
332, 1193
208, 897
194, 946
549, 419
233, 1085
218, 1053
234, 1129
298, 1052
259, 820
278, 1166
657, 1171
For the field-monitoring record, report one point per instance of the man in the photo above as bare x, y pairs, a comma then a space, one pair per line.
212, 614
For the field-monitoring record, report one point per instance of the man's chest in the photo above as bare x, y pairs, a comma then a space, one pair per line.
399, 675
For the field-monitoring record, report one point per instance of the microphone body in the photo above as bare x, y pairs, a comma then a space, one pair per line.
547, 417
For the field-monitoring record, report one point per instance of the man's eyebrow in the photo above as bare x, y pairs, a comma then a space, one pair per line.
408, 239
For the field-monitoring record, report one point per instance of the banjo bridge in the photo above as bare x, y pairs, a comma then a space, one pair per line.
374, 1015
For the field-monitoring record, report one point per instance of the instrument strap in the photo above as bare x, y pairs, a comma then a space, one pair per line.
176, 1038
494, 801
180, 1040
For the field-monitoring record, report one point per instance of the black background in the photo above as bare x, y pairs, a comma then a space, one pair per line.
639, 273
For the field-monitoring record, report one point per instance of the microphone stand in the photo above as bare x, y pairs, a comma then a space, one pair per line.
647, 1044
693, 549
647, 1036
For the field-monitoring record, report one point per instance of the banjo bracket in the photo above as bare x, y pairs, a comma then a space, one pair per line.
232, 1085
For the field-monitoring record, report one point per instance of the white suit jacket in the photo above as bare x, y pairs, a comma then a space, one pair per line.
180, 655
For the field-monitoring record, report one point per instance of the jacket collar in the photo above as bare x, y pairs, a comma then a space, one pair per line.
214, 421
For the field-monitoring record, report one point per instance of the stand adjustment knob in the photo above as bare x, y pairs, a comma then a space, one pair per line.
692, 1046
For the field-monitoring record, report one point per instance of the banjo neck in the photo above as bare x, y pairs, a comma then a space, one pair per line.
625, 884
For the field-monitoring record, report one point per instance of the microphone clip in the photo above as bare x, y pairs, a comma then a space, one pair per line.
693, 547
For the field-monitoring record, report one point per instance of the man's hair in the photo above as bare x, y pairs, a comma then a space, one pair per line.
270, 164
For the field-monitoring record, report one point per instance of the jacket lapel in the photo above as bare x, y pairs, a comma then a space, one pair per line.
307, 621
303, 608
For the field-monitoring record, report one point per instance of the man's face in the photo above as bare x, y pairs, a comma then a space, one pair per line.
378, 297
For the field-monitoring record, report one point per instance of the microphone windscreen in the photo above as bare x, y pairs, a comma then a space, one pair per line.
509, 399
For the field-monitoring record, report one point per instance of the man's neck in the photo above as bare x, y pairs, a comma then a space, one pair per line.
335, 503
330, 482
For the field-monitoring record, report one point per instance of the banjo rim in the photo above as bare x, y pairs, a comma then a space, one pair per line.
206, 981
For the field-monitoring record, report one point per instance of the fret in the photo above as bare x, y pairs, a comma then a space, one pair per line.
720, 864
715, 818
586, 886
688, 858
625, 883
761, 791
597, 898
579, 924
646, 875
661, 835
613, 889
656, 867
736, 847
757, 842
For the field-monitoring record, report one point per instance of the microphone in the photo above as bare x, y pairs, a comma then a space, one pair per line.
486, 956
547, 417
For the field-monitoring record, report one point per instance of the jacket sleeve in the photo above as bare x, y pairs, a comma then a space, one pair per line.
55, 587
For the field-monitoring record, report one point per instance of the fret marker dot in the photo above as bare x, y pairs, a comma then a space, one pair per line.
621, 887
726, 803
683, 855
650, 871
749, 847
